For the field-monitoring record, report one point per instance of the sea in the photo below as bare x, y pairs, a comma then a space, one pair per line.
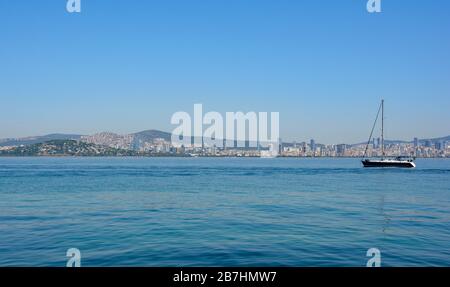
222, 212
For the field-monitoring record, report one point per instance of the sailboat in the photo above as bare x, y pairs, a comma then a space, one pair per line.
384, 161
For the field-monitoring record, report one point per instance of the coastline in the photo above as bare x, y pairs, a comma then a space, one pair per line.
200, 156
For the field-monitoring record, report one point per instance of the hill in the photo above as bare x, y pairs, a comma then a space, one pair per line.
150, 135
65, 148
421, 141
37, 139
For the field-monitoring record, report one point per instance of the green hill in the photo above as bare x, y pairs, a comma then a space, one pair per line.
65, 148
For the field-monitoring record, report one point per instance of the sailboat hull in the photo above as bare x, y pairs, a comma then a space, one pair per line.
385, 162
388, 163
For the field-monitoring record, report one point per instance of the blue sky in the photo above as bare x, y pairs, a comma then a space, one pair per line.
125, 66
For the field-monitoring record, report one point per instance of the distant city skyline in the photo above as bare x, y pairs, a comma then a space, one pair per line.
157, 143
375, 141
128, 66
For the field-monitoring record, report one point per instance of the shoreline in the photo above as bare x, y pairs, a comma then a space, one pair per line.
181, 156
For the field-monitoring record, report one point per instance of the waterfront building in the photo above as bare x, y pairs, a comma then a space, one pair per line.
340, 149
312, 145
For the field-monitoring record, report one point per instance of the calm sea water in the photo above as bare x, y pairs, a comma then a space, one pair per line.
222, 212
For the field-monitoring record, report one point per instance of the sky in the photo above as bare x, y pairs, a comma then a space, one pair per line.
127, 65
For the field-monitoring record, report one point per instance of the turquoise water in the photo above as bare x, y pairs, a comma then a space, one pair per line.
222, 212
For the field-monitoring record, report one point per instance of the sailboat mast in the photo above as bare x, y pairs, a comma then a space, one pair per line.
382, 128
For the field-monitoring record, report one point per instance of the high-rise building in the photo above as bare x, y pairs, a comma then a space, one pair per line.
416, 142
439, 145
340, 149
280, 145
312, 145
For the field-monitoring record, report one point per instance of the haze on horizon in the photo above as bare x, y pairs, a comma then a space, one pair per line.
128, 66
